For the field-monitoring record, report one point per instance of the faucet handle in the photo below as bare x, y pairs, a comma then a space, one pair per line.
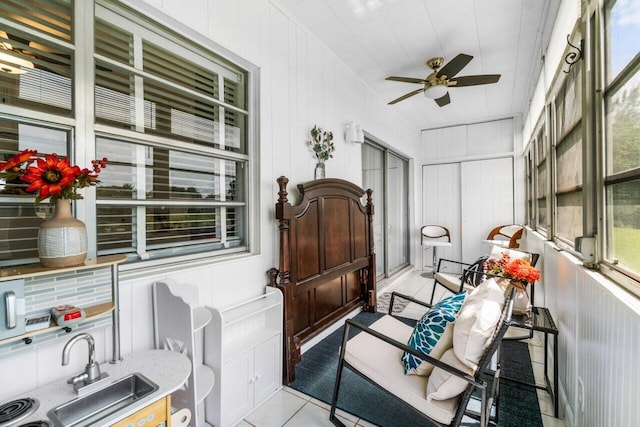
82, 377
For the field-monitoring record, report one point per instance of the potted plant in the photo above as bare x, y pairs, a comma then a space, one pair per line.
321, 143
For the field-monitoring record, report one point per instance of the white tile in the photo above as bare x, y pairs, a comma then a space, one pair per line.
365, 423
424, 294
296, 393
339, 412
276, 410
546, 404
538, 373
313, 415
550, 421
536, 353
243, 423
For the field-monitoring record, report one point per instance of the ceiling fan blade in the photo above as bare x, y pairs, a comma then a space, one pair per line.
483, 79
454, 66
403, 97
443, 100
406, 79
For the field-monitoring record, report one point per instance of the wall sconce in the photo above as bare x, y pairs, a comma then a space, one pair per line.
354, 133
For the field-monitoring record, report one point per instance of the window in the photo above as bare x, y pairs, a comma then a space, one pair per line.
530, 188
172, 117
622, 137
541, 180
567, 143
181, 182
36, 55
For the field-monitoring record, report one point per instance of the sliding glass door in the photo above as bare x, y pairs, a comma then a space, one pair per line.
386, 174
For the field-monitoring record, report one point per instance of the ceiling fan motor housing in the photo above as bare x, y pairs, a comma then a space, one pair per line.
435, 63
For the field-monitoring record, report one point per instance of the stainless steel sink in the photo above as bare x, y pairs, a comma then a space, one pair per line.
93, 407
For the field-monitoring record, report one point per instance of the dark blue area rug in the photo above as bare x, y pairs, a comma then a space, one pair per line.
316, 374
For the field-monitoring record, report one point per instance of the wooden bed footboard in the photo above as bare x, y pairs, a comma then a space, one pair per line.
327, 260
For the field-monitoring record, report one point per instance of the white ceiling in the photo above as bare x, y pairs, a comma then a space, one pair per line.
380, 38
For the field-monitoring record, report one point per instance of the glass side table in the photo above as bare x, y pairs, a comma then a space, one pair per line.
540, 320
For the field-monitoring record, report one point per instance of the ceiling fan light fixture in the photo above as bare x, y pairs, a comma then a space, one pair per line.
14, 65
436, 91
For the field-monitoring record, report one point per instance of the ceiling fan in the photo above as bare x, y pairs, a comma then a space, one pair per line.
435, 85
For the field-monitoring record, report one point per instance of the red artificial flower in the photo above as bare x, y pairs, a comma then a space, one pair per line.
519, 270
13, 164
52, 176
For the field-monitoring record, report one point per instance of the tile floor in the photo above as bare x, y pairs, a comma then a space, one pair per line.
291, 408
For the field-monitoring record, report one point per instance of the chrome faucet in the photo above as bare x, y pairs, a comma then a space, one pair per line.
91, 372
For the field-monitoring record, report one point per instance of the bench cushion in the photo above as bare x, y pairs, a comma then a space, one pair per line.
368, 355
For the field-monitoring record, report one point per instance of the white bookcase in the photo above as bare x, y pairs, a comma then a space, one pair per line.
179, 326
243, 345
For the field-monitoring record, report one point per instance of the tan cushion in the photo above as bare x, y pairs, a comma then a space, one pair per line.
449, 281
380, 362
444, 385
477, 321
496, 252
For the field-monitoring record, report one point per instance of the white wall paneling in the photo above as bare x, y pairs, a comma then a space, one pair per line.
441, 206
599, 340
469, 198
467, 182
486, 201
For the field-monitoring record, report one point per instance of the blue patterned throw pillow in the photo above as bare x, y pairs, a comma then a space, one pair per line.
431, 335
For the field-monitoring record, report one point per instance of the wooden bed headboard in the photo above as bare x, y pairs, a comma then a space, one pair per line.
327, 262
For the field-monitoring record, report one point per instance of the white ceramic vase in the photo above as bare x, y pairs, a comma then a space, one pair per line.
62, 240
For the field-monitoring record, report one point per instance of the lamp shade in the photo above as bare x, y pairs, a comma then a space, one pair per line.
436, 91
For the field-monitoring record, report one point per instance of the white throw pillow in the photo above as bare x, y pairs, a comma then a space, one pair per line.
497, 251
476, 322
443, 385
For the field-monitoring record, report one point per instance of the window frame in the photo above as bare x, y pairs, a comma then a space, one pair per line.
627, 278
82, 127
558, 139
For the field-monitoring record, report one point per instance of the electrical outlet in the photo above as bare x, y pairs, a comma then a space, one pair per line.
580, 395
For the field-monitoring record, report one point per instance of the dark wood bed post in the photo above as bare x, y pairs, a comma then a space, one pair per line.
291, 344
371, 300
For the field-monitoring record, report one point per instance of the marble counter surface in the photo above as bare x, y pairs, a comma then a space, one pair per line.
168, 369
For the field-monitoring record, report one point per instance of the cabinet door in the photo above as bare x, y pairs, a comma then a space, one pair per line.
237, 387
267, 368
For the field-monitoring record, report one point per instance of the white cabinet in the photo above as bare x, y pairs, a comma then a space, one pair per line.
243, 345
179, 326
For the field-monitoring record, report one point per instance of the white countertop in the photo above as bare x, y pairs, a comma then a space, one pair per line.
168, 369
